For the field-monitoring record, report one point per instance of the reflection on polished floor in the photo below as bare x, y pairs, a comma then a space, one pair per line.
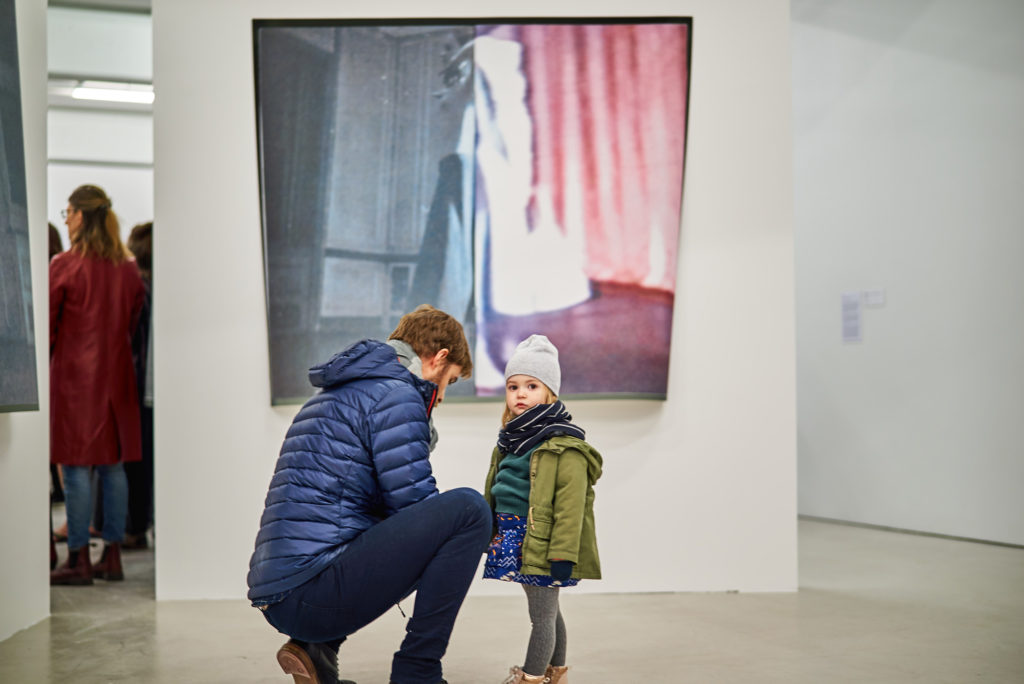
873, 606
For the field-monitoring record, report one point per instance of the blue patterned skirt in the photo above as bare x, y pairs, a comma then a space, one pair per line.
505, 555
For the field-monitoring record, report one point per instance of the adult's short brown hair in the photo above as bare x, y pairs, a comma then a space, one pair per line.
56, 245
428, 330
140, 243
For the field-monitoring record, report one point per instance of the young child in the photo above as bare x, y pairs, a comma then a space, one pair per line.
541, 488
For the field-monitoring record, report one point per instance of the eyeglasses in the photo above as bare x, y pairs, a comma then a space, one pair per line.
64, 213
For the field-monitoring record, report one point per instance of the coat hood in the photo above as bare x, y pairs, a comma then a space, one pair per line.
365, 360
595, 463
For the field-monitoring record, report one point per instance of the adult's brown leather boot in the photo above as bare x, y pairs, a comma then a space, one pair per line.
76, 570
310, 663
109, 566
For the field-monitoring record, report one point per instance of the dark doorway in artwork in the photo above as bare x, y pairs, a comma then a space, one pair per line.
294, 179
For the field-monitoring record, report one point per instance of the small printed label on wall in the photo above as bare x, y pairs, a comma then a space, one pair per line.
873, 299
851, 316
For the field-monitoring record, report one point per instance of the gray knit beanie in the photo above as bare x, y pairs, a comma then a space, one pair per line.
537, 357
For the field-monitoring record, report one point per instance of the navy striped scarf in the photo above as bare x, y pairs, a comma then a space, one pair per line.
534, 426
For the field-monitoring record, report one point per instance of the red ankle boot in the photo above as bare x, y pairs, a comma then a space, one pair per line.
77, 569
109, 567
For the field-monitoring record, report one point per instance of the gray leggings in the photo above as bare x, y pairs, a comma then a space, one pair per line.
547, 639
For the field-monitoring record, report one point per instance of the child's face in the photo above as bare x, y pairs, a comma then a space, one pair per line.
523, 392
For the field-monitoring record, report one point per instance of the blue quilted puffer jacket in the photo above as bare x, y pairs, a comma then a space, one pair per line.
355, 454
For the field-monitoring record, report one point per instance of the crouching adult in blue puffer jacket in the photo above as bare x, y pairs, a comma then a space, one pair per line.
353, 520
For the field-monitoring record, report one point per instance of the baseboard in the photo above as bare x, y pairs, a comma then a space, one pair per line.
886, 528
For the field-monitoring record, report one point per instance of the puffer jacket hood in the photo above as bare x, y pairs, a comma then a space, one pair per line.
364, 360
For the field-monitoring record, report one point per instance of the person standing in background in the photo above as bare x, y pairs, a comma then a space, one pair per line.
56, 485
140, 474
96, 298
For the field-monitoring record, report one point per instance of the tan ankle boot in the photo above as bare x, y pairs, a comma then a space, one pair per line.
557, 675
517, 676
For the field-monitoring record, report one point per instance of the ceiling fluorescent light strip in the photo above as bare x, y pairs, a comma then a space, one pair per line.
114, 92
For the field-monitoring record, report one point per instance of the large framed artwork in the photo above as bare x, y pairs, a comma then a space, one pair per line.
18, 383
525, 176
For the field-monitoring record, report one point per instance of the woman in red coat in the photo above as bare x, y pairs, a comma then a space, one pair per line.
96, 295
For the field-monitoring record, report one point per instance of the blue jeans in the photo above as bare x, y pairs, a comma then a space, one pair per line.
78, 502
432, 547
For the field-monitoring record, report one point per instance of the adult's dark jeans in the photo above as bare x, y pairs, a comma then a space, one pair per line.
432, 547
140, 480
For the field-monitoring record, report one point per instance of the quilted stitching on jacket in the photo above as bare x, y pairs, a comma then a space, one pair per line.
356, 453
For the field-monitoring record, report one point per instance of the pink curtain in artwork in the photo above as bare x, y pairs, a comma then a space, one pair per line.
608, 103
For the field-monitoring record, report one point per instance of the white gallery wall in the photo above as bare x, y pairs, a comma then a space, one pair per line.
108, 148
908, 134
699, 491
99, 143
99, 44
25, 436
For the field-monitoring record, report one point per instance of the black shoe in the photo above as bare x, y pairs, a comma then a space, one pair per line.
134, 542
310, 663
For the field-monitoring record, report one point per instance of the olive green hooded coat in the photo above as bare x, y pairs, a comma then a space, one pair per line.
560, 522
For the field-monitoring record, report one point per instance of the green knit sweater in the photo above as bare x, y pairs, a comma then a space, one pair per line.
511, 488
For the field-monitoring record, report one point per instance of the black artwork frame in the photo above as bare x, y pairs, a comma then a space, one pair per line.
372, 183
19, 389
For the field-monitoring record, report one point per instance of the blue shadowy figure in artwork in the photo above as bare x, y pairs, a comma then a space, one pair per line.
540, 487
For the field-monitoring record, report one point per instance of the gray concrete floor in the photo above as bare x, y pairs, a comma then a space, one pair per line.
873, 606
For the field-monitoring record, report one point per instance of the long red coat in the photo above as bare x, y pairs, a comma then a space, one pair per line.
94, 404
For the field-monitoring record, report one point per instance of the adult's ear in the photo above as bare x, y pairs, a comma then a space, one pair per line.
434, 362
